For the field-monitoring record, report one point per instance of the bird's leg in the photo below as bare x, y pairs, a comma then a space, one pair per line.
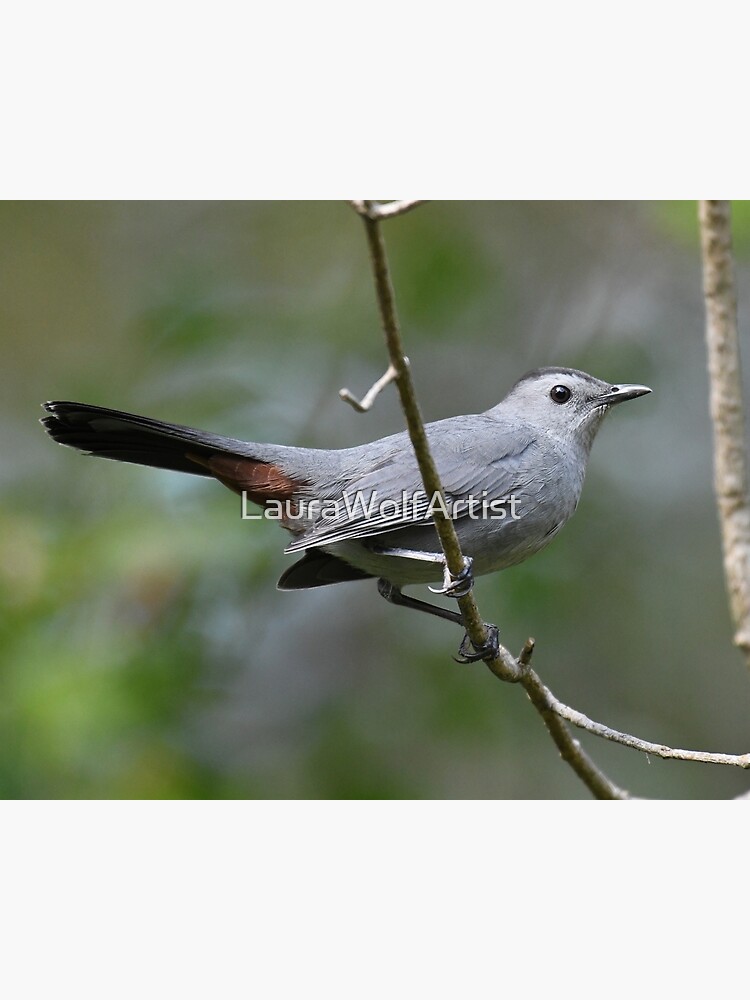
393, 595
453, 586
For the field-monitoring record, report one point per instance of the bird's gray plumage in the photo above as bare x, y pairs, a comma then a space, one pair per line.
530, 445
474, 454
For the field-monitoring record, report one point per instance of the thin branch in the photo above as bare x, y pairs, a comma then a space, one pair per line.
504, 666
375, 210
546, 702
364, 404
433, 487
727, 415
570, 749
533, 683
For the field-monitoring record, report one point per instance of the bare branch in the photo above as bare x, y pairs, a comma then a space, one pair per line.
532, 682
730, 463
570, 749
384, 209
504, 666
363, 405
415, 425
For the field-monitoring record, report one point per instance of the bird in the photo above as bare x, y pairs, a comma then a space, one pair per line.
512, 476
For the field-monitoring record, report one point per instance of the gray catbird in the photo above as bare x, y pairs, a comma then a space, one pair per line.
512, 477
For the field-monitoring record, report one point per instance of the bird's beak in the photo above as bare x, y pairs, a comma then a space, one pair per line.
619, 393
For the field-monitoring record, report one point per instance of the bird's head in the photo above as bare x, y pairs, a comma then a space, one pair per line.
568, 404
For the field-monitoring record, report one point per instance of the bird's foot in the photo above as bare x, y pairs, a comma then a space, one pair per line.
457, 586
488, 651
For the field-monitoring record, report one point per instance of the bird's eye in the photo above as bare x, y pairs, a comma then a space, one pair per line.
559, 394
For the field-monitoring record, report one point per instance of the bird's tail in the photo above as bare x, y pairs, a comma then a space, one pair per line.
127, 437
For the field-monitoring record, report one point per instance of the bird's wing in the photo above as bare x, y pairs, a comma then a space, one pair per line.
478, 459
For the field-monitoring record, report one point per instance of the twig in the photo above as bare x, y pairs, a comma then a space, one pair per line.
533, 683
730, 468
504, 666
546, 702
415, 424
364, 404
384, 210
570, 749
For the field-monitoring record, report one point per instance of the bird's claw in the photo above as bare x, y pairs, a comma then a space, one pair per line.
457, 586
488, 651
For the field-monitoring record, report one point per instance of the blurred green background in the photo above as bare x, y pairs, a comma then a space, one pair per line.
144, 649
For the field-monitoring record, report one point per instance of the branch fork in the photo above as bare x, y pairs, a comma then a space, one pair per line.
364, 404
376, 210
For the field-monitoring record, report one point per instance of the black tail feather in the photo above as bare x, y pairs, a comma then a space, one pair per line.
127, 437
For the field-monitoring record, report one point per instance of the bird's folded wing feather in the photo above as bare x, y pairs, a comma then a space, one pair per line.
467, 468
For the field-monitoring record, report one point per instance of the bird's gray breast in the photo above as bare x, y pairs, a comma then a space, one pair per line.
544, 499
